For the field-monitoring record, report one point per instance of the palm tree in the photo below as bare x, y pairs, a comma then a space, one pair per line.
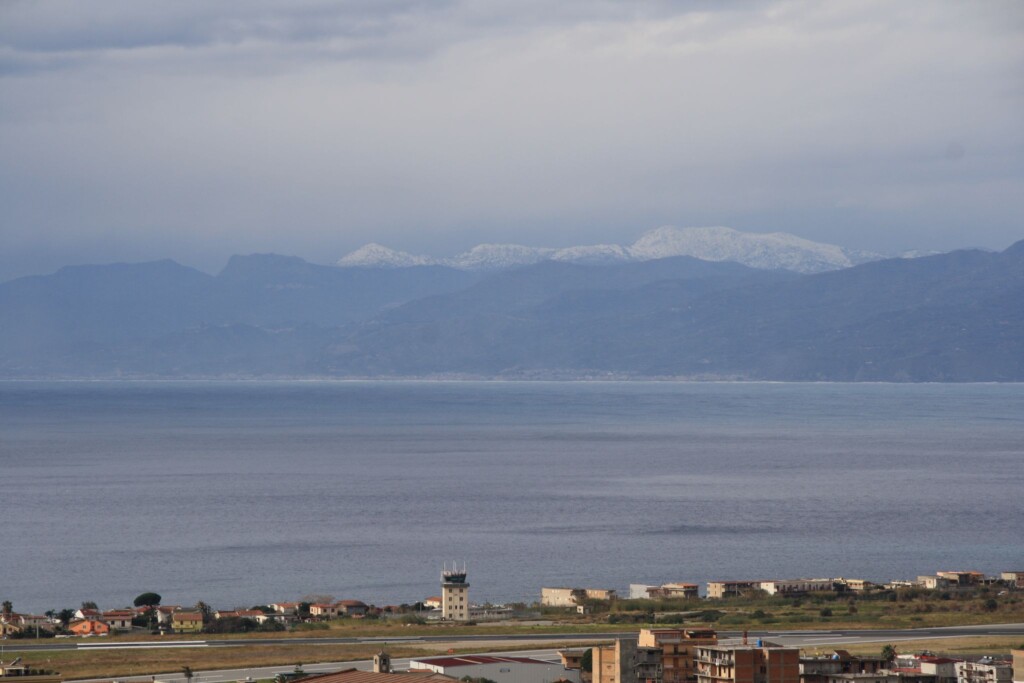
8, 608
889, 653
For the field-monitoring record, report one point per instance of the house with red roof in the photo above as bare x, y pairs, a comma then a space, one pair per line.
119, 620
351, 608
322, 610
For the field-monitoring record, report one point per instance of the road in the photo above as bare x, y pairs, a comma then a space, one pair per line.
804, 639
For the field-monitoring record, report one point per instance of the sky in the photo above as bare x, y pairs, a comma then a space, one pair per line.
134, 130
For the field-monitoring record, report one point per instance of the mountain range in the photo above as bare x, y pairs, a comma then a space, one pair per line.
757, 250
946, 317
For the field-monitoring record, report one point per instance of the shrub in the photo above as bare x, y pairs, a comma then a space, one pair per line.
825, 612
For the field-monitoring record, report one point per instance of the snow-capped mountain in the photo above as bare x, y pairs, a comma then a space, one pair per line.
498, 257
596, 254
777, 250
769, 251
375, 255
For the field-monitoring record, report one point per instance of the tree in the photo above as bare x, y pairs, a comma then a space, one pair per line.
89, 604
587, 660
65, 616
8, 609
205, 610
187, 672
889, 653
148, 600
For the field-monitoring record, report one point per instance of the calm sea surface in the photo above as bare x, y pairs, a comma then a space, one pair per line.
247, 492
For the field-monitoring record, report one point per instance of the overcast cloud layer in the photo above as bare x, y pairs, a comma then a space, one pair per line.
133, 130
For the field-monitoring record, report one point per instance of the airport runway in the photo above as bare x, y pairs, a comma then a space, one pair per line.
804, 639
797, 638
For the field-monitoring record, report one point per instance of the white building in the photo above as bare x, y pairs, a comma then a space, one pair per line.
788, 586
500, 669
639, 591
984, 671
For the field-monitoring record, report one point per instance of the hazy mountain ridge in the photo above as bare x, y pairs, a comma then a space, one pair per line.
769, 251
948, 317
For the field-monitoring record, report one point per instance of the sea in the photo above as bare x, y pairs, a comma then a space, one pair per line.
240, 493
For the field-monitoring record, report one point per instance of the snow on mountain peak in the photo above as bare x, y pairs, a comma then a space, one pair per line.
776, 250
593, 254
497, 256
757, 250
375, 255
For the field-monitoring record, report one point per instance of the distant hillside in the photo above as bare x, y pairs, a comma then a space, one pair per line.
947, 317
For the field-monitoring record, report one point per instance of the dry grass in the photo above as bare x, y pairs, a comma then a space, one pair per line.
104, 663
979, 645
112, 663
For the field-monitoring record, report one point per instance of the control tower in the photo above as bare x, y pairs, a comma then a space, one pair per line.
454, 593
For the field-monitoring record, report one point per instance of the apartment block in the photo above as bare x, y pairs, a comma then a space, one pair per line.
820, 669
625, 662
570, 597
678, 650
1018, 665
731, 589
984, 670
747, 664
796, 586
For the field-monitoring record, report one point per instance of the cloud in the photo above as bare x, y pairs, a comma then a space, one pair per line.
311, 127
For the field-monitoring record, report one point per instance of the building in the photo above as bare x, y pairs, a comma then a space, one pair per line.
625, 662
665, 590
731, 589
454, 594
856, 585
985, 670
500, 669
943, 668
164, 613
119, 619
796, 586
26, 674
353, 608
933, 582
1012, 579
323, 610
433, 602
963, 578
187, 622
819, 669
747, 664
572, 659
357, 676
678, 650
89, 627
285, 607
561, 597
680, 590
570, 597
1018, 665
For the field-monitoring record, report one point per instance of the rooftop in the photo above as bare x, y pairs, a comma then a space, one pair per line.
473, 660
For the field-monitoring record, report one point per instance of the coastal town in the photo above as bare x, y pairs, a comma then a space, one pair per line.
679, 654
